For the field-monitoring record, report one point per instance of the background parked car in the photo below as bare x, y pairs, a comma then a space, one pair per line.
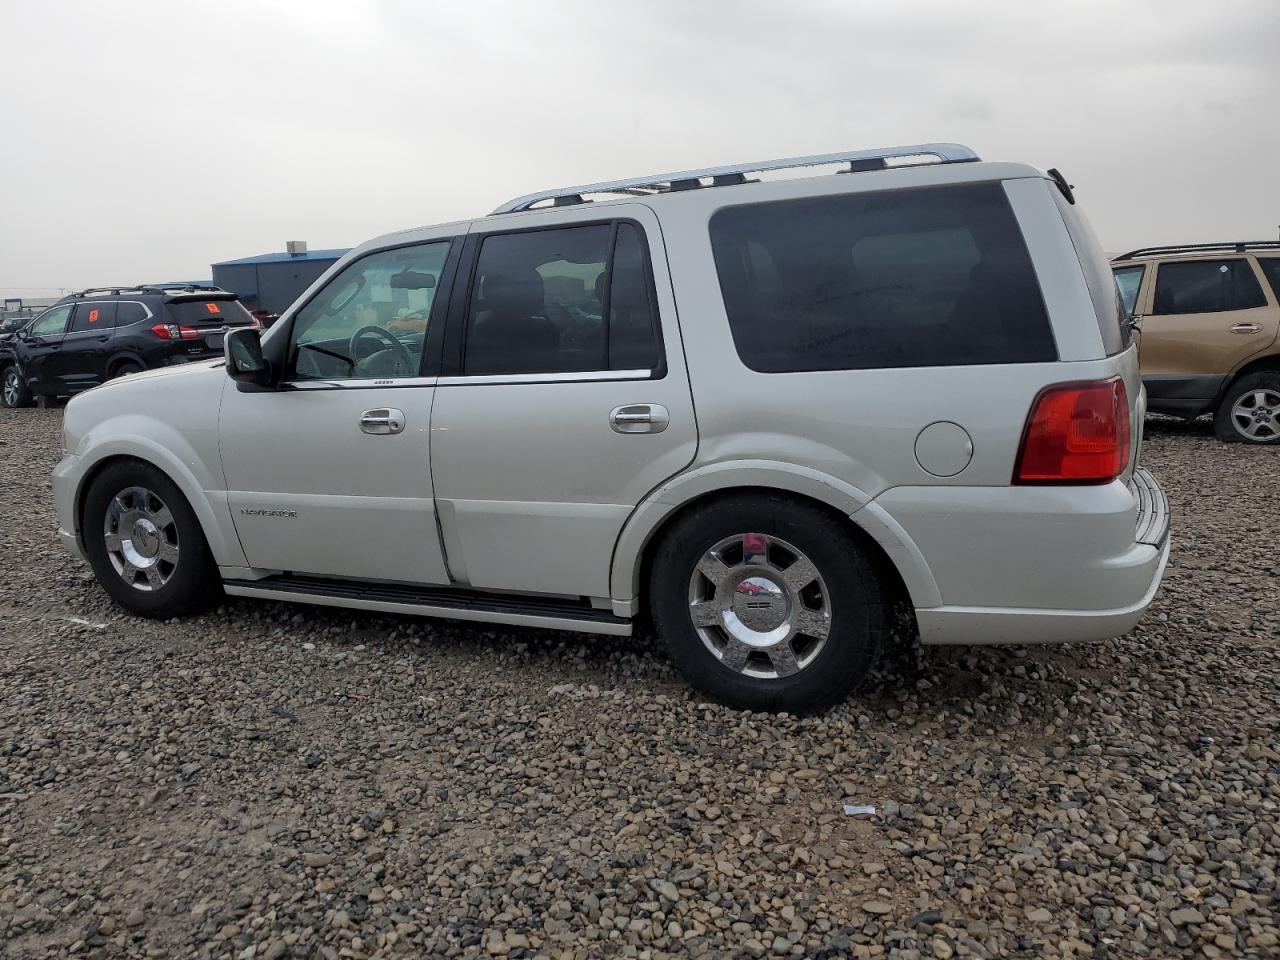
93, 336
1210, 315
10, 326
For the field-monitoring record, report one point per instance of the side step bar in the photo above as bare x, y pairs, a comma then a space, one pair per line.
451, 602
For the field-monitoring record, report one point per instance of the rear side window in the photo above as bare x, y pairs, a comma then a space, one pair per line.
905, 278
564, 300
1271, 270
1128, 283
191, 313
129, 311
93, 316
1207, 286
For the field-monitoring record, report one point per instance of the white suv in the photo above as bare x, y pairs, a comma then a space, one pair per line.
762, 412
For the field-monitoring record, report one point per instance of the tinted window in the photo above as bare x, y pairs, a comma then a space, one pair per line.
52, 323
94, 316
1271, 270
129, 311
633, 322
1207, 286
370, 320
930, 277
1128, 282
539, 300
194, 313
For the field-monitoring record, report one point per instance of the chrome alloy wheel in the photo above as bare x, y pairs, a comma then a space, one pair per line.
141, 538
12, 386
760, 606
1256, 415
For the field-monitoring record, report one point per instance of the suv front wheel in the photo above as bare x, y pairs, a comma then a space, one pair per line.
145, 544
768, 604
1250, 410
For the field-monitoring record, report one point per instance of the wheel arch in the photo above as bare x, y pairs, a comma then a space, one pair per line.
892, 551
225, 548
126, 355
1268, 363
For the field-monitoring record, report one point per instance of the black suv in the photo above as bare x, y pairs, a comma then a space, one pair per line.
95, 335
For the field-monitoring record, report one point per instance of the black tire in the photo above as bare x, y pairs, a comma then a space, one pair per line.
14, 391
125, 367
192, 581
1225, 424
858, 608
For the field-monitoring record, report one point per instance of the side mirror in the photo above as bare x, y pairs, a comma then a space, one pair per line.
245, 363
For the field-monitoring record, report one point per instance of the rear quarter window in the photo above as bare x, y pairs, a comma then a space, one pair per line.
937, 276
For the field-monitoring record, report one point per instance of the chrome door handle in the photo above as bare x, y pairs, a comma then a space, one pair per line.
1245, 327
639, 418
382, 421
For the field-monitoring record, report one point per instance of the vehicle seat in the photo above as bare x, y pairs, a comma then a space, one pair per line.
511, 334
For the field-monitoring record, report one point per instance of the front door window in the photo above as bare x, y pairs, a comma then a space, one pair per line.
370, 321
52, 324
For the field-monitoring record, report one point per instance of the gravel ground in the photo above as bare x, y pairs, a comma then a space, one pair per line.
287, 781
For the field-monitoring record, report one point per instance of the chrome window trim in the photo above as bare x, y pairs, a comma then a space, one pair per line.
378, 383
591, 376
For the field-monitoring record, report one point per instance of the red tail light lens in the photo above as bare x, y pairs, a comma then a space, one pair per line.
171, 331
1076, 433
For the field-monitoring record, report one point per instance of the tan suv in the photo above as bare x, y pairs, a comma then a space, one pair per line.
1207, 316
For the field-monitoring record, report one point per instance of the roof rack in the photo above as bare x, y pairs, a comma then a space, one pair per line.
118, 288
1237, 247
859, 161
149, 288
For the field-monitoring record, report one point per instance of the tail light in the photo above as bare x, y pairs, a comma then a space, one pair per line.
1076, 433
171, 331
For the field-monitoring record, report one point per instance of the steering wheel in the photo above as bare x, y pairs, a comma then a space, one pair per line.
403, 359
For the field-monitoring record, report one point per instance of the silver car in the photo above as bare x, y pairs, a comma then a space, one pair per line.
764, 412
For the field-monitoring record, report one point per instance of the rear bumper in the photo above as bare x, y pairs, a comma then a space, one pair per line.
1036, 564
986, 625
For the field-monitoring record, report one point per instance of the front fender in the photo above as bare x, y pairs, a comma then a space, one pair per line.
158, 443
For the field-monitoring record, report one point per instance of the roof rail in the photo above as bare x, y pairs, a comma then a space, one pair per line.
118, 288
150, 288
858, 160
1235, 247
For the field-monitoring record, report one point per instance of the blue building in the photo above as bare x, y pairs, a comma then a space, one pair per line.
273, 281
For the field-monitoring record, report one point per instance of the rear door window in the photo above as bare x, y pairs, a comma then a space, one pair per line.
907, 278
1207, 286
93, 316
563, 300
1128, 283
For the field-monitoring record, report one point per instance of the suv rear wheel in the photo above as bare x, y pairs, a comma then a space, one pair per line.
1250, 410
767, 604
13, 389
145, 544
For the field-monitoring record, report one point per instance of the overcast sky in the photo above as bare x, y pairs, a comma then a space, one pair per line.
142, 141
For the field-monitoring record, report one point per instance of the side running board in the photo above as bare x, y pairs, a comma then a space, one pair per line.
453, 602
